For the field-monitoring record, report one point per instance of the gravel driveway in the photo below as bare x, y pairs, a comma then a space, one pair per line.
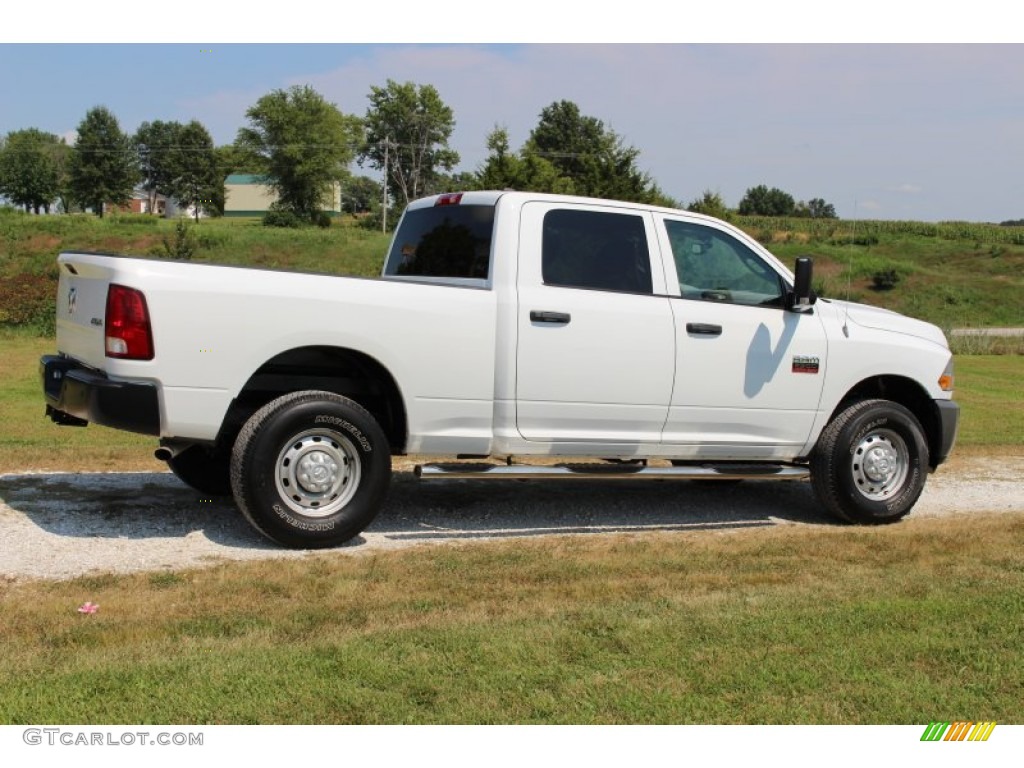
58, 526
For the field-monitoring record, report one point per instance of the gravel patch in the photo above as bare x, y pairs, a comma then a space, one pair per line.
63, 525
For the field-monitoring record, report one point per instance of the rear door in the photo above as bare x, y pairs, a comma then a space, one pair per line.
596, 353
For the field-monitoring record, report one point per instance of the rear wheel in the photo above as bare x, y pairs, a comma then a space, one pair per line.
870, 463
310, 469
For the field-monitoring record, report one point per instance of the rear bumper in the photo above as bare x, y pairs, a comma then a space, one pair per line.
949, 425
77, 395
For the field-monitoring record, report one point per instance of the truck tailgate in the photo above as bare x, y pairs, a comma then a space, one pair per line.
81, 306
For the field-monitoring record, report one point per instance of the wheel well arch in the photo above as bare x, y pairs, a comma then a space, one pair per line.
908, 393
346, 372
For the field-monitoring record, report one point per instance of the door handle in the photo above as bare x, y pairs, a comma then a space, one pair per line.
704, 329
555, 318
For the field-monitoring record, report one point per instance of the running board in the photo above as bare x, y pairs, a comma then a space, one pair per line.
611, 472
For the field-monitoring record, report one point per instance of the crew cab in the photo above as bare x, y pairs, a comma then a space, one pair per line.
505, 325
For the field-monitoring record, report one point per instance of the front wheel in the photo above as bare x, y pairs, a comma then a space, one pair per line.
870, 463
310, 469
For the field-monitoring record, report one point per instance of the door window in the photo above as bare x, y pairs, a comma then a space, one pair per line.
714, 266
596, 249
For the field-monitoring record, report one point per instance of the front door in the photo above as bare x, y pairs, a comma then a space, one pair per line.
748, 373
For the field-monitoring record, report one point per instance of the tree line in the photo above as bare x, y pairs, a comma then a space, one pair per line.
303, 145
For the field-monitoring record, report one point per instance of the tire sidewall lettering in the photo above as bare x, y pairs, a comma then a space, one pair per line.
909, 486
303, 525
349, 427
868, 428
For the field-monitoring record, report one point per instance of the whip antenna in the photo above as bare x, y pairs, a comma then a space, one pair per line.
849, 273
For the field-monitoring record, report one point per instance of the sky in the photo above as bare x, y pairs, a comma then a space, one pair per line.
892, 126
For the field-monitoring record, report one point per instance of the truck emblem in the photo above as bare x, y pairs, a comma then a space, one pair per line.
803, 364
72, 300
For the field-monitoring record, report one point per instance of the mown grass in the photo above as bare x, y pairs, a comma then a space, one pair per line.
987, 388
29, 440
791, 625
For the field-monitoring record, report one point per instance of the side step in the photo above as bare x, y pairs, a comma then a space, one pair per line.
611, 472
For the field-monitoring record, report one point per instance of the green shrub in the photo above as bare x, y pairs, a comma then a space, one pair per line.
29, 301
183, 246
136, 219
323, 220
885, 279
281, 219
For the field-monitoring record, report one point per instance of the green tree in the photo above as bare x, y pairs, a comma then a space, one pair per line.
234, 159
817, 208
196, 178
761, 201
103, 167
61, 153
710, 204
302, 143
502, 168
361, 195
525, 170
407, 129
156, 145
29, 171
592, 156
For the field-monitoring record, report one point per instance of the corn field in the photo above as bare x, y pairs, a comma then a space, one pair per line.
838, 231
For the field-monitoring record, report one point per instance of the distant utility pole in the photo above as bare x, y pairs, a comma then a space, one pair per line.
384, 218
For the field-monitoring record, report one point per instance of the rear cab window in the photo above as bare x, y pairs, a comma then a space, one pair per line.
446, 243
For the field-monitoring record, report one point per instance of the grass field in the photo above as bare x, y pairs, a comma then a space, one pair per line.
791, 625
955, 274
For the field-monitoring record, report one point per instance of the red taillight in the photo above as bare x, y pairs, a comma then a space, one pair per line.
452, 198
129, 335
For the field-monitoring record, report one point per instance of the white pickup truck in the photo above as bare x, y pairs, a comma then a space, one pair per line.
505, 324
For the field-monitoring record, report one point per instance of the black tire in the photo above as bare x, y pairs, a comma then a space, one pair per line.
870, 463
203, 468
310, 469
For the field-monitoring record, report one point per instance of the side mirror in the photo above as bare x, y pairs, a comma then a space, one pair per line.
802, 297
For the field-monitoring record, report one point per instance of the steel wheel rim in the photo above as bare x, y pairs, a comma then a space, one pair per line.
880, 463
317, 472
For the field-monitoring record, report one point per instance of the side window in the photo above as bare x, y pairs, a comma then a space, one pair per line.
596, 249
714, 266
